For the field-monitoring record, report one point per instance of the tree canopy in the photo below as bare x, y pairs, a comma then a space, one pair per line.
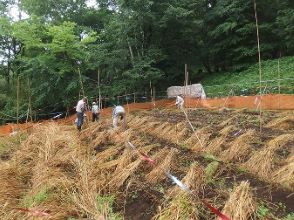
130, 43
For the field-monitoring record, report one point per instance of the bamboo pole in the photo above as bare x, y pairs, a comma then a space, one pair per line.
99, 90
279, 80
30, 100
259, 65
17, 100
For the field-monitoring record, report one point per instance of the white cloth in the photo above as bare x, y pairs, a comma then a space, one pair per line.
117, 110
95, 109
80, 106
179, 101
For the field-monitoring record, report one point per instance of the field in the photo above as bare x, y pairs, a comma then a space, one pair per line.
56, 173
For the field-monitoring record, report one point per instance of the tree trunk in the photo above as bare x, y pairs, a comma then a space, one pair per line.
131, 53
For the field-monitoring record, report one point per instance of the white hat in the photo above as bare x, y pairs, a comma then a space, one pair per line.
94, 103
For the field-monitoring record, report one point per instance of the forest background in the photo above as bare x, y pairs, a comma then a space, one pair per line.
61, 49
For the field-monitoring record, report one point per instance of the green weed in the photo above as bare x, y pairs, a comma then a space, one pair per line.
28, 200
210, 170
262, 211
290, 216
106, 203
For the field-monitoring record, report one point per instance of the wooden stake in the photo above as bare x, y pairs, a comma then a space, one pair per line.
259, 63
134, 97
279, 80
17, 100
99, 91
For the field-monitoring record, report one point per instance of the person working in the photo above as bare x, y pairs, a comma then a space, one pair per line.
118, 111
80, 109
179, 102
95, 112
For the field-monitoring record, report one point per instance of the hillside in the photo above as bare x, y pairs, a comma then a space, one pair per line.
246, 82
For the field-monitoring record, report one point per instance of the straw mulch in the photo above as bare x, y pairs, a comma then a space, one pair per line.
181, 208
262, 162
285, 174
284, 123
158, 172
240, 147
241, 204
194, 180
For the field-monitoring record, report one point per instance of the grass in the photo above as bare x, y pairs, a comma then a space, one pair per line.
246, 82
107, 202
210, 170
10, 143
28, 201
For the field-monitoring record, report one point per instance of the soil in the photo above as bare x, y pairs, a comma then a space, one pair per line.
138, 199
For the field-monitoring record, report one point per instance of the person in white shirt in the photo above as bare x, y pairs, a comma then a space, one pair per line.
95, 112
118, 112
179, 102
80, 109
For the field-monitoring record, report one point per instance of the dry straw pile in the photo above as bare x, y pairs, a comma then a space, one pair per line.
241, 204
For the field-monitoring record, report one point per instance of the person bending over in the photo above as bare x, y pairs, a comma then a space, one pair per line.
118, 112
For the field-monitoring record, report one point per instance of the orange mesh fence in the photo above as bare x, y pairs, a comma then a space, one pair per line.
268, 102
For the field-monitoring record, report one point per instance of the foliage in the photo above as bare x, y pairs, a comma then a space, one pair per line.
246, 82
42, 195
105, 205
262, 211
210, 170
132, 44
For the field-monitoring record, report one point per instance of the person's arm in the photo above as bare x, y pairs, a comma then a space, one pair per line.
113, 112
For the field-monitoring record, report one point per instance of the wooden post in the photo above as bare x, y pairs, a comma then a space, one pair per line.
30, 101
279, 80
154, 103
99, 91
151, 95
17, 100
134, 97
259, 63
186, 79
127, 103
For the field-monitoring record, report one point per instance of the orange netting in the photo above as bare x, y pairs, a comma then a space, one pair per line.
268, 102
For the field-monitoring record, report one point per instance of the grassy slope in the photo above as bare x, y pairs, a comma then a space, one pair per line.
247, 80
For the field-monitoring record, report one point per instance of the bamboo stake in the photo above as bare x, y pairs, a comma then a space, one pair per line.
99, 91
259, 64
30, 100
279, 80
154, 103
17, 100
127, 102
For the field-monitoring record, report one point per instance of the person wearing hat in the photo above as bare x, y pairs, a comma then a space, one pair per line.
95, 112
80, 109
118, 112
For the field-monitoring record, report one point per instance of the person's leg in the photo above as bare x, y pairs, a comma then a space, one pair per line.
82, 119
125, 120
79, 122
93, 117
114, 122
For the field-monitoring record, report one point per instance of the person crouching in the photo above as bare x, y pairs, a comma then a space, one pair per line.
119, 112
